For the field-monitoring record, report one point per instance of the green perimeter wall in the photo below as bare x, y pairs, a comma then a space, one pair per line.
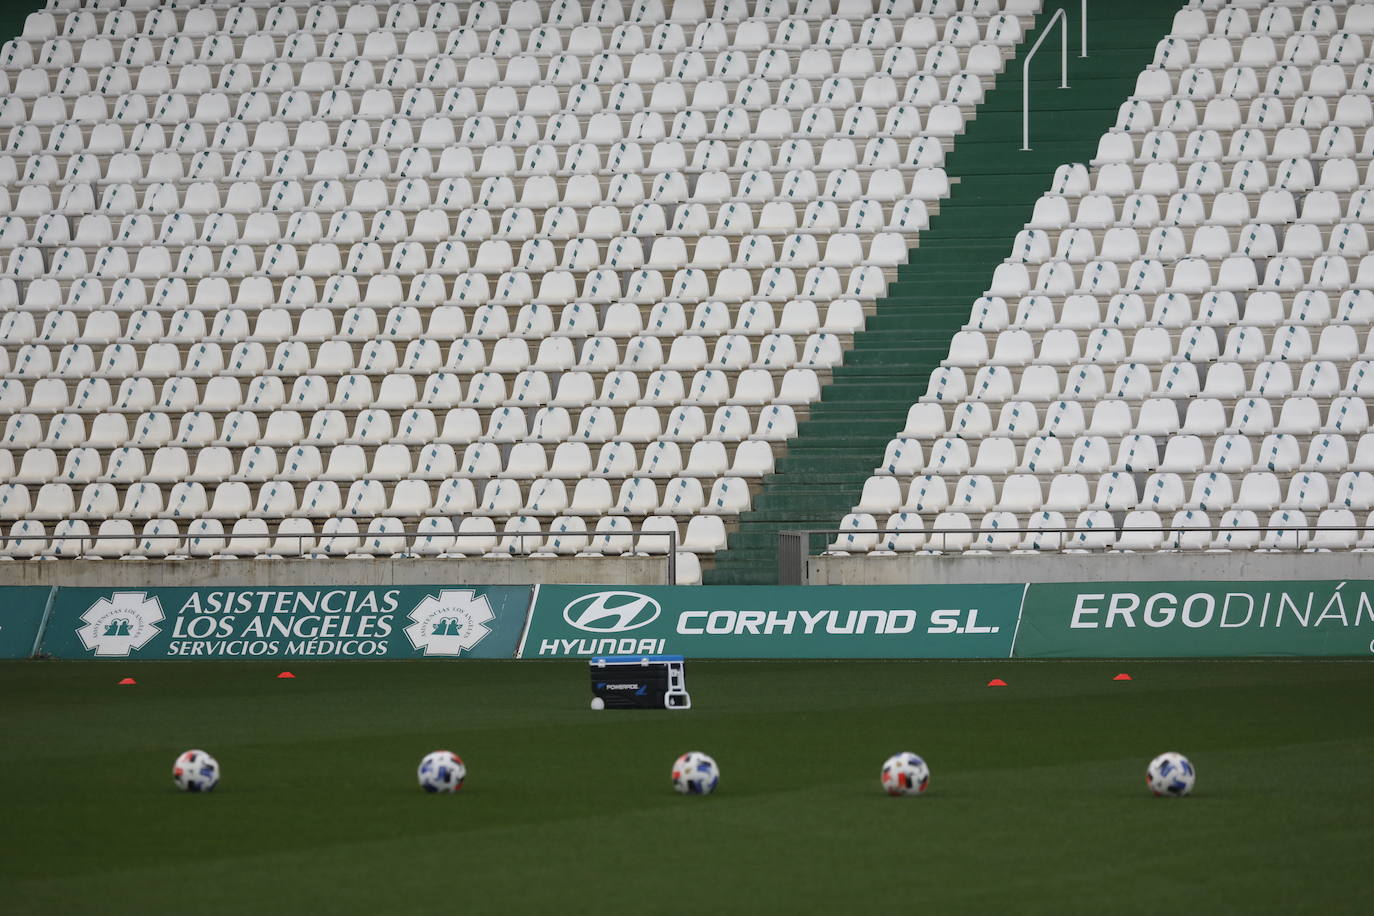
984, 620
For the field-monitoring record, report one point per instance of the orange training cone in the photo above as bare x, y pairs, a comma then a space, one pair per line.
997, 682
127, 682
1122, 677
286, 676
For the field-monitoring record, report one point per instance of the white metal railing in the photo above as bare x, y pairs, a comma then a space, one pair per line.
1063, 19
794, 546
1083, 31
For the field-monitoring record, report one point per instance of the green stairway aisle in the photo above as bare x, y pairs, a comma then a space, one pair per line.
14, 12
865, 405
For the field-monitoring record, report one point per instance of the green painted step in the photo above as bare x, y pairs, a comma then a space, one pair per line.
866, 402
14, 12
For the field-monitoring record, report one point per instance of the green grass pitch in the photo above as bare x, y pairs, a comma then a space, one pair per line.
1037, 800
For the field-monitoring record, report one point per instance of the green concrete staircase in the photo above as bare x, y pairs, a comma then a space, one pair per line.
14, 12
865, 405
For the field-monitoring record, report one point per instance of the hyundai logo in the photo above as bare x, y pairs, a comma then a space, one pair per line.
611, 612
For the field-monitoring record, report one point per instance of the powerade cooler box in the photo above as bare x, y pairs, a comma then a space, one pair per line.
641, 681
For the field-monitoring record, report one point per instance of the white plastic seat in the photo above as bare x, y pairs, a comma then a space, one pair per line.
1142, 530
853, 538
614, 536
950, 532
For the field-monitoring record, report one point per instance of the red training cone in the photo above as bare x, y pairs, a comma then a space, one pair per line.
286, 676
1122, 677
127, 682
997, 682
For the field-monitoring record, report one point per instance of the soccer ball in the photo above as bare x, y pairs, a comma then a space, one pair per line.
905, 774
1170, 775
195, 771
442, 771
694, 773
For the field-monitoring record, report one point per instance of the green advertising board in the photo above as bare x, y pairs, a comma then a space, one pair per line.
322, 622
21, 617
1197, 619
1052, 620
878, 621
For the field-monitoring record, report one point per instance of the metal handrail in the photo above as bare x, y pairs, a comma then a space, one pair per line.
361, 535
1062, 18
1066, 530
1131, 529
1083, 32
791, 560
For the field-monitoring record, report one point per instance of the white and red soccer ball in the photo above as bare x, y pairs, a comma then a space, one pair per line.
905, 774
695, 773
195, 771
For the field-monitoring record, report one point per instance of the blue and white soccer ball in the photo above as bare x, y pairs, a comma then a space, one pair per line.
905, 774
195, 771
442, 771
695, 773
1170, 775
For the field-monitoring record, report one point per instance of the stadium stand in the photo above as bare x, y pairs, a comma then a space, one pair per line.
993, 191
288, 279
1176, 354
299, 278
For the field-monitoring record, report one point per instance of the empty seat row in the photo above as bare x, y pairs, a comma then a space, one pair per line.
497, 196
449, 240
218, 250
337, 90
508, 56
556, 111
1119, 491
1275, 206
641, 447
1189, 275
1215, 308
742, 24
1276, 20
65, 17
1305, 48
57, 326
1243, 144
386, 536
1063, 346
453, 169
501, 497
436, 133
1088, 382
207, 359
466, 355
1156, 416
1287, 80
318, 424
600, 286
584, 274
461, 428
579, 230
1170, 244
143, 150
1098, 530
1210, 176
1228, 452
